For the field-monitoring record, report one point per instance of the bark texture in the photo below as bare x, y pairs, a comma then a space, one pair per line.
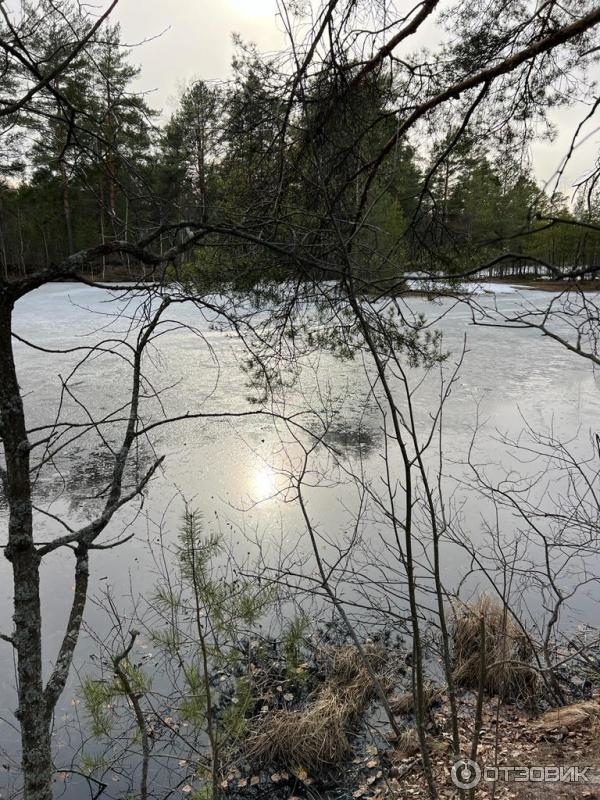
32, 713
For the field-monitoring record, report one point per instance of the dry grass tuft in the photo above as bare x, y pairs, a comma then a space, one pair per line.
404, 703
346, 663
316, 737
408, 744
508, 651
572, 717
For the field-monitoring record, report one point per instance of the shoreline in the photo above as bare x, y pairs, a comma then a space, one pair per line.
119, 277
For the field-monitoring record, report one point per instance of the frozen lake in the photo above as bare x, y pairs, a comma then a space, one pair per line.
233, 469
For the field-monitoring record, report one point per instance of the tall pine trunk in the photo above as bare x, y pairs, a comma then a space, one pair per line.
67, 208
102, 233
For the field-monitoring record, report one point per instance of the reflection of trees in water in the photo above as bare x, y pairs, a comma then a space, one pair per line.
82, 478
346, 436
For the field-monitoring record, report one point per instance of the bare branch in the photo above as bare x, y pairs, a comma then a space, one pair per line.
56, 682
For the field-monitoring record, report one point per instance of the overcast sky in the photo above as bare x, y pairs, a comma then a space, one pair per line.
194, 40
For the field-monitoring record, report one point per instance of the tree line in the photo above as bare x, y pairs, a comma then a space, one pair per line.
234, 154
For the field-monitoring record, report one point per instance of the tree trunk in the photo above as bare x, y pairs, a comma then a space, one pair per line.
36, 758
102, 236
200, 167
3, 243
33, 716
112, 189
67, 208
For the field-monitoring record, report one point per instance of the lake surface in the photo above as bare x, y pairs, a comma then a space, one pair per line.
234, 470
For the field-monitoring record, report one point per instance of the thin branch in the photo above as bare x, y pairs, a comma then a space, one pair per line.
488, 75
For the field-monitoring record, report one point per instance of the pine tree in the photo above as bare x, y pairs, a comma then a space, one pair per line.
122, 131
191, 147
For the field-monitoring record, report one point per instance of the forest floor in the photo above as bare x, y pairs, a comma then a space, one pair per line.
511, 740
310, 741
567, 744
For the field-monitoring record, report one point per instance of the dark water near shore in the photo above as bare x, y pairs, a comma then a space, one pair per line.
234, 470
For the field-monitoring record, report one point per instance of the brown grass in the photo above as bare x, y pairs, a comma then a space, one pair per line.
408, 744
404, 703
572, 717
316, 737
508, 651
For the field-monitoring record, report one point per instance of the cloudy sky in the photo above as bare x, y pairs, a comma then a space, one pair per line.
193, 39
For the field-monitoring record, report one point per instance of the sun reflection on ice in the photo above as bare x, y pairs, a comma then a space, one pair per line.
264, 484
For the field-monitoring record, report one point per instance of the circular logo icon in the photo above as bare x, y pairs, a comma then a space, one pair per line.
466, 774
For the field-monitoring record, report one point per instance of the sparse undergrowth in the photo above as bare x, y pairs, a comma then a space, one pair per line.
297, 715
509, 651
326, 747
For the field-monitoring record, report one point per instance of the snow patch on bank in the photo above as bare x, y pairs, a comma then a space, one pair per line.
424, 285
